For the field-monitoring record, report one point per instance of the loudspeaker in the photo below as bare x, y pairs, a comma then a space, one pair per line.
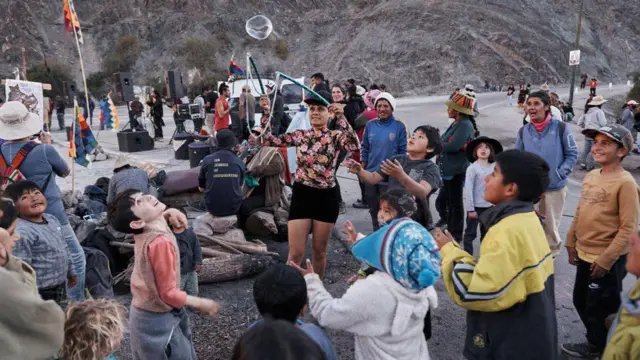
124, 87
134, 141
69, 90
175, 87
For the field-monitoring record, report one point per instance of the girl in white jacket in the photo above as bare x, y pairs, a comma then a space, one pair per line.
386, 310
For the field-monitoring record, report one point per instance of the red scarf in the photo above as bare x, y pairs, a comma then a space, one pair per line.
540, 126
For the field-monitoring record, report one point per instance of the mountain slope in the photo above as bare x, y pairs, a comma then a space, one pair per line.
411, 45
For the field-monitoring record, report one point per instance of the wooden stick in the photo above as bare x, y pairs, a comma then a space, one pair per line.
222, 244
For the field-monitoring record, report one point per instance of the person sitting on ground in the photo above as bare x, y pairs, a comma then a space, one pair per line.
222, 176
280, 293
157, 314
190, 258
276, 340
94, 329
41, 244
267, 166
509, 290
126, 177
623, 341
598, 239
413, 171
32, 328
386, 310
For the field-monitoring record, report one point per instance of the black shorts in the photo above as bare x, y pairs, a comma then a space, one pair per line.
316, 204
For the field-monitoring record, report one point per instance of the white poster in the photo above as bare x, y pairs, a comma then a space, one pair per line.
574, 57
27, 92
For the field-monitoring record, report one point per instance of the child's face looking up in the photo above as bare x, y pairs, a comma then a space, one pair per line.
386, 212
31, 203
147, 208
483, 151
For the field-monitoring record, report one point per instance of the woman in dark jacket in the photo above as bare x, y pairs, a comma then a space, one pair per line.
355, 106
454, 163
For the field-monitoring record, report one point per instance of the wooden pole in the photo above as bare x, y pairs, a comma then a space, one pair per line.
86, 95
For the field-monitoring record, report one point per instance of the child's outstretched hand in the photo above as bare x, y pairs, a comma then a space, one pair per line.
392, 168
353, 166
176, 219
443, 238
209, 307
307, 271
350, 232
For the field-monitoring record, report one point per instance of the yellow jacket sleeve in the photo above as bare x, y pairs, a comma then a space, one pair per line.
503, 276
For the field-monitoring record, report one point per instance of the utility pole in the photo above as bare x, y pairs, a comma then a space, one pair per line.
575, 67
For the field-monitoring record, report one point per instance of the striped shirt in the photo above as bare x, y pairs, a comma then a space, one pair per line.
42, 246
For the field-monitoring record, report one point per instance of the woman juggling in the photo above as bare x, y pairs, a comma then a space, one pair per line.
315, 202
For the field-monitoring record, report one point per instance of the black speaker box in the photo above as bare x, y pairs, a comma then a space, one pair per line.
175, 87
134, 141
124, 87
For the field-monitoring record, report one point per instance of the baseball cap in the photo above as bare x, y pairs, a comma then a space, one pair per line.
324, 95
618, 133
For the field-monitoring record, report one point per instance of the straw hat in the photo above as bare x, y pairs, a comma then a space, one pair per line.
121, 161
598, 100
461, 102
16, 122
632, 102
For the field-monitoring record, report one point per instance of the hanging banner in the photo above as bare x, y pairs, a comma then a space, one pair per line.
27, 92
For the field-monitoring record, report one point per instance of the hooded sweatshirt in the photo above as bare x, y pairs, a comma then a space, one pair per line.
624, 336
594, 119
386, 318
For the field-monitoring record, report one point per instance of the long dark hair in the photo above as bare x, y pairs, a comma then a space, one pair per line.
8, 212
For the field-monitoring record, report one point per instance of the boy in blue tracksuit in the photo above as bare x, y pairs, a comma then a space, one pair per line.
383, 138
549, 138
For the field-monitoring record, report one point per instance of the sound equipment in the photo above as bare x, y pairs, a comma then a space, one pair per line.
134, 141
124, 87
175, 86
69, 90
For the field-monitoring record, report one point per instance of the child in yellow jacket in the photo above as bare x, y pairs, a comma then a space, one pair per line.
624, 336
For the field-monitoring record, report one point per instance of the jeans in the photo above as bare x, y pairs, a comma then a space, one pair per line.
60, 115
592, 91
157, 128
510, 98
79, 262
569, 117
586, 158
596, 299
471, 231
189, 283
449, 201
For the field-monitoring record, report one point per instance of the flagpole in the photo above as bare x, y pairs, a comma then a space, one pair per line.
86, 91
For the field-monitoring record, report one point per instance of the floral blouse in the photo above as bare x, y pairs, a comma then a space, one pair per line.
317, 151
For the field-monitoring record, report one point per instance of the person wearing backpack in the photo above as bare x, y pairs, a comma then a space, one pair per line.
549, 138
22, 159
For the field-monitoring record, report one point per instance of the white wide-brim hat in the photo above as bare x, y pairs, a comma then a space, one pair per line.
598, 100
16, 122
360, 90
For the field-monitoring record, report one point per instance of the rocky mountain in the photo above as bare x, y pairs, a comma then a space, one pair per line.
410, 45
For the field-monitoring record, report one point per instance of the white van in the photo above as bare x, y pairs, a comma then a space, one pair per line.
292, 94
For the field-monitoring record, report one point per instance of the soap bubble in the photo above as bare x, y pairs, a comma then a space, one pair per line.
259, 27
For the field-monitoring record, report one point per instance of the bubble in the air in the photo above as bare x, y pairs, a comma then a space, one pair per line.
259, 27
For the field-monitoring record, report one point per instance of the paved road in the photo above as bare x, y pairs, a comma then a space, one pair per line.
496, 120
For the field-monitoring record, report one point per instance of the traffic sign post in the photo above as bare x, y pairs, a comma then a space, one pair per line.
574, 58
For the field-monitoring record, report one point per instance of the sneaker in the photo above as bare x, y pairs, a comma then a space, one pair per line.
359, 204
342, 208
581, 350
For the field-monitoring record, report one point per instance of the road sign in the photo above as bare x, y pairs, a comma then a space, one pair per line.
574, 57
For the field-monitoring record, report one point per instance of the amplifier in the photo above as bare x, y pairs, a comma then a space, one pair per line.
134, 141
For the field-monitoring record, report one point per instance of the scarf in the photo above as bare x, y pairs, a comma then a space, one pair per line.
540, 126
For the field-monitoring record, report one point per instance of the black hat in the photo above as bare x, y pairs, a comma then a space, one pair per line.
495, 144
226, 139
312, 99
